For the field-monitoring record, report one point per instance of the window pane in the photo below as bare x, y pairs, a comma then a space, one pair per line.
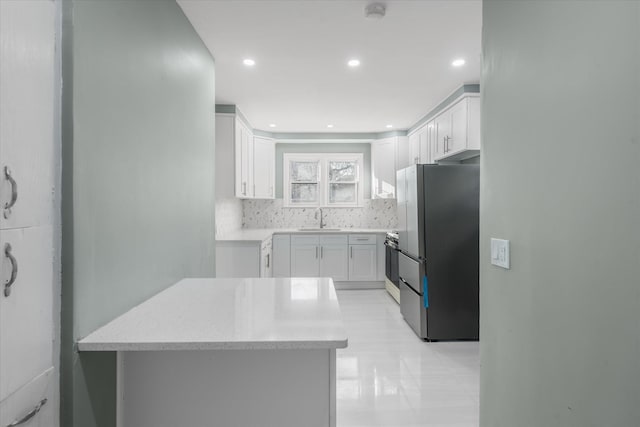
342, 171
304, 171
304, 193
342, 193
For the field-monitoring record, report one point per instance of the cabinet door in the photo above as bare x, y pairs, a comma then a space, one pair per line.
363, 263
281, 254
26, 115
26, 312
242, 173
423, 145
442, 132
402, 152
334, 262
266, 262
431, 141
264, 158
383, 168
305, 260
250, 188
458, 136
414, 148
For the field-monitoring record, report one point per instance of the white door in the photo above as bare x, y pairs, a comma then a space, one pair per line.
305, 260
458, 140
264, 158
334, 262
27, 99
244, 158
383, 168
26, 307
363, 263
442, 132
423, 145
414, 148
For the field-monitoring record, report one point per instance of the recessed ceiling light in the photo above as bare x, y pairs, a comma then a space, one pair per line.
249, 62
272, 125
389, 126
329, 126
353, 62
458, 62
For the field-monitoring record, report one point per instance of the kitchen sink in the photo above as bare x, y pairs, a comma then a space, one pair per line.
319, 229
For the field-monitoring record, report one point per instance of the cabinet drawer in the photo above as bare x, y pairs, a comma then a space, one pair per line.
335, 239
362, 239
26, 317
31, 403
305, 239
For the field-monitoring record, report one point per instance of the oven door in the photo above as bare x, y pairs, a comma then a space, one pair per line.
391, 263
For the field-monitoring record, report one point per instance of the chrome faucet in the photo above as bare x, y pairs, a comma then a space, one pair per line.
322, 224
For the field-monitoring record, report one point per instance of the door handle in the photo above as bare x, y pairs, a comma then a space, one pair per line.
14, 269
268, 260
30, 415
321, 251
316, 252
351, 254
14, 192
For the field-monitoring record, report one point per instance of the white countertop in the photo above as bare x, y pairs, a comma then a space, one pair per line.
210, 314
261, 234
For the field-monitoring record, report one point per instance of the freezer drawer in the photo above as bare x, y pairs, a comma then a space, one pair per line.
411, 272
413, 310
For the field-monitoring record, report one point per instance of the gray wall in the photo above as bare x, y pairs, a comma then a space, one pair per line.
560, 340
138, 176
314, 147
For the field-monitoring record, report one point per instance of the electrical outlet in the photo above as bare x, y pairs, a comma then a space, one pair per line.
500, 253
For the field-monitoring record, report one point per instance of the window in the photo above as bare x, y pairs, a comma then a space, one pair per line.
316, 180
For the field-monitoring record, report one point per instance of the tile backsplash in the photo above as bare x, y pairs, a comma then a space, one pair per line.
228, 216
378, 213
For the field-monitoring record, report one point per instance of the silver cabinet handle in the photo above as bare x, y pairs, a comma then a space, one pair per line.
14, 269
351, 254
244, 188
316, 252
14, 192
321, 251
268, 260
30, 415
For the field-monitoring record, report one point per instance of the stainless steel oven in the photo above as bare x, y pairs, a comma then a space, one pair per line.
391, 264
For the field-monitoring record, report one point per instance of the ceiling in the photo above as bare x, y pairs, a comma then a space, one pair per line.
301, 81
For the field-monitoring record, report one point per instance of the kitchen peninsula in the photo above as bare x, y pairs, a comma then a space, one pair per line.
228, 352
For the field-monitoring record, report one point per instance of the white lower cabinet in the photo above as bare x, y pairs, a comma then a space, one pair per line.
344, 258
266, 259
363, 263
26, 310
281, 253
305, 256
333, 258
31, 405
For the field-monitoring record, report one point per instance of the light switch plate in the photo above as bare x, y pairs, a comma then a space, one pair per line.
500, 253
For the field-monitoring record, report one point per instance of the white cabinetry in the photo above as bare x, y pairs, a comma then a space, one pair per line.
420, 147
457, 130
387, 156
281, 254
305, 256
363, 258
333, 258
27, 321
244, 160
266, 259
250, 159
264, 162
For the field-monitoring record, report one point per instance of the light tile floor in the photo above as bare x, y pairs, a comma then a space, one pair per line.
387, 376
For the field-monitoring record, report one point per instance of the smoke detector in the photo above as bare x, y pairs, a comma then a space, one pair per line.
375, 11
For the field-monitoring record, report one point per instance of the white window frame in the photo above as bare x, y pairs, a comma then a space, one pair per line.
323, 160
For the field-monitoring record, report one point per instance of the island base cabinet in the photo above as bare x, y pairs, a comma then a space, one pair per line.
228, 388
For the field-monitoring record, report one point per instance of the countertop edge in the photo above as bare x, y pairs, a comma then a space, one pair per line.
204, 346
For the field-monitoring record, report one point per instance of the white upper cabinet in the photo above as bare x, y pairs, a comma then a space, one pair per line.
250, 160
388, 155
264, 161
420, 146
243, 160
383, 168
457, 130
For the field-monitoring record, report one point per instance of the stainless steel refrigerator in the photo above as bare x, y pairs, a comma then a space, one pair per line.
438, 236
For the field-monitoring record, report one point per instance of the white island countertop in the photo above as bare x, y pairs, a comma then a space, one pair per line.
211, 314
